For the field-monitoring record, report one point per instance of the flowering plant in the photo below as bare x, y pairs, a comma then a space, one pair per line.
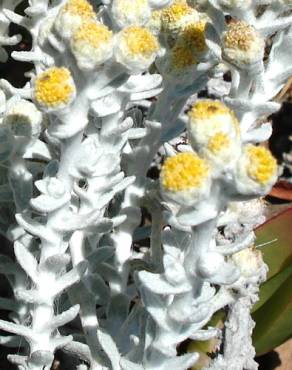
114, 84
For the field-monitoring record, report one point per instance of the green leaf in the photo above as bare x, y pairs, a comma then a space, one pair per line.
268, 288
276, 231
274, 319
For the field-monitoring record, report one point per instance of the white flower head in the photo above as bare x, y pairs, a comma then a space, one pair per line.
242, 46
92, 45
54, 89
256, 171
23, 118
72, 15
128, 12
177, 16
214, 132
135, 48
249, 261
185, 179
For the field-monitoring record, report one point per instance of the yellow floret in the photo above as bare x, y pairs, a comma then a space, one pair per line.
239, 35
80, 7
182, 57
185, 171
54, 87
175, 13
193, 36
218, 142
262, 166
92, 33
140, 41
206, 109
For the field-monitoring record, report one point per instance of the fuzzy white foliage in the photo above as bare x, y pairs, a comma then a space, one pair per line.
73, 183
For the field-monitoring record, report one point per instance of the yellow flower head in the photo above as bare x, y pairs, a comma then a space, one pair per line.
256, 171
185, 179
92, 45
177, 16
79, 7
136, 48
183, 172
214, 131
208, 109
242, 45
261, 166
54, 88
72, 15
218, 143
140, 41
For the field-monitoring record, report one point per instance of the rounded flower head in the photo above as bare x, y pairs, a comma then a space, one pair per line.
128, 12
72, 15
208, 119
249, 261
177, 16
136, 49
257, 171
23, 118
242, 45
54, 89
92, 45
185, 178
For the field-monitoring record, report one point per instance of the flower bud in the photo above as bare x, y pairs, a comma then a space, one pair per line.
256, 171
23, 118
185, 179
72, 15
92, 45
54, 89
136, 49
242, 46
128, 12
177, 16
249, 261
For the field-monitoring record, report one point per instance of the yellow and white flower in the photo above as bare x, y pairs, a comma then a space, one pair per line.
214, 132
23, 118
177, 16
72, 15
136, 48
54, 89
128, 12
185, 179
92, 45
242, 45
256, 171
